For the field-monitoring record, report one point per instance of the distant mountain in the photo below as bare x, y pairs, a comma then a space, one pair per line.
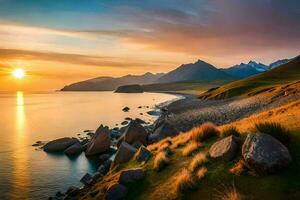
110, 83
198, 71
252, 68
244, 70
278, 63
282, 74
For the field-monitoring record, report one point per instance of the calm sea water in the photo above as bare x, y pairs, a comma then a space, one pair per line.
26, 173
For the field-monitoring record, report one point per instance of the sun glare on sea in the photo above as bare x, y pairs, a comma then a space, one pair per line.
18, 73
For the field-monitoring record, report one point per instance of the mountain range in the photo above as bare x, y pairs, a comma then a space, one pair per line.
198, 71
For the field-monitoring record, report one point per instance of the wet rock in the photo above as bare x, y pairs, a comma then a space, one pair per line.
225, 149
116, 192
131, 176
265, 154
140, 121
154, 112
126, 109
86, 179
97, 176
74, 149
100, 143
124, 154
104, 157
124, 123
72, 191
104, 168
59, 145
128, 118
135, 132
143, 154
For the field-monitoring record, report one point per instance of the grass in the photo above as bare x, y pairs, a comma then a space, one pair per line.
239, 168
197, 161
180, 140
184, 181
204, 132
229, 193
191, 148
160, 161
200, 174
228, 131
274, 129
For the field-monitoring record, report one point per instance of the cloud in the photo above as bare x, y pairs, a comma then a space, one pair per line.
77, 59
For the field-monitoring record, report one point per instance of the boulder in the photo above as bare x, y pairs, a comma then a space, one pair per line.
86, 179
225, 149
104, 157
116, 192
143, 154
124, 154
140, 121
130, 89
120, 140
104, 168
59, 145
135, 132
131, 176
265, 154
100, 142
74, 149
72, 191
163, 131
126, 109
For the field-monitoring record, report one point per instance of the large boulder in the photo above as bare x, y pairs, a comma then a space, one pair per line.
116, 192
163, 131
59, 145
135, 132
131, 175
100, 142
124, 154
143, 154
225, 149
265, 154
74, 149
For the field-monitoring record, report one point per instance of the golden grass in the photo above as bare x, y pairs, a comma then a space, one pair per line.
180, 140
228, 131
200, 174
197, 161
162, 144
184, 180
204, 132
191, 148
160, 161
229, 193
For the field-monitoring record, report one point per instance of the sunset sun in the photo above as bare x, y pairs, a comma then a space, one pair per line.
18, 73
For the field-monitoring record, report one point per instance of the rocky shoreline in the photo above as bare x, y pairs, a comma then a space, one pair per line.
111, 146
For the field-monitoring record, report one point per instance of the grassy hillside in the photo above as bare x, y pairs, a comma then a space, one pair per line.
190, 87
283, 74
217, 180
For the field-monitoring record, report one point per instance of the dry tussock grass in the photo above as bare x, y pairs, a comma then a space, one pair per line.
160, 145
180, 140
191, 148
204, 132
197, 161
184, 180
200, 174
160, 161
229, 193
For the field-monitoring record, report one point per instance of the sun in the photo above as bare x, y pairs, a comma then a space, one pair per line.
18, 73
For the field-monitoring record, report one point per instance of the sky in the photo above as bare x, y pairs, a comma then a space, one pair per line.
59, 42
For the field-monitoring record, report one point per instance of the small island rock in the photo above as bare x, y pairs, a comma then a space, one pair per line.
59, 145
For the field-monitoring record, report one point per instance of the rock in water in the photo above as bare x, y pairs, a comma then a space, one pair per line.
86, 179
135, 132
126, 109
74, 149
124, 154
116, 192
143, 155
264, 153
130, 89
100, 142
59, 145
131, 176
225, 149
